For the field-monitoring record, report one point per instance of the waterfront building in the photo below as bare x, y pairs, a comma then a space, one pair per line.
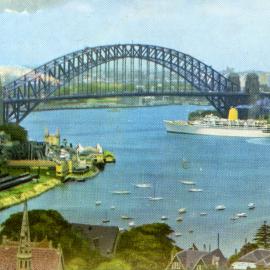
258, 258
52, 139
194, 259
27, 255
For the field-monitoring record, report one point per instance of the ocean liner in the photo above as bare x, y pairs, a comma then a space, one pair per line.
215, 126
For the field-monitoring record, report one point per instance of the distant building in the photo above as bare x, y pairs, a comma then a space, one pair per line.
52, 139
258, 258
193, 259
27, 255
101, 238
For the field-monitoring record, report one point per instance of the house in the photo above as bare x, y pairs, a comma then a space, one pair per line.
27, 255
256, 258
193, 259
101, 238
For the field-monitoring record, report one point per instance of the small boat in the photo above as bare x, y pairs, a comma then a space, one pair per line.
195, 190
191, 231
155, 198
126, 217
251, 206
121, 192
185, 163
143, 185
234, 218
240, 215
105, 221
112, 207
220, 207
187, 182
164, 218
202, 214
179, 219
98, 203
182, 210
131, 224
177, 234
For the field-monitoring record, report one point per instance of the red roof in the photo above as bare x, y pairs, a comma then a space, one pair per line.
42, 258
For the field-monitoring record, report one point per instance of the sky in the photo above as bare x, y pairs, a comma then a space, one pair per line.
221, 33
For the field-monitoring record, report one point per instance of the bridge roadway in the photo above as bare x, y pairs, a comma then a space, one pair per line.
240, 95
44, 82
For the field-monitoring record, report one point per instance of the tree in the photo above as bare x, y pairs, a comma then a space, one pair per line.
234, 77
114, 264
16, 132
252, 85
262, 237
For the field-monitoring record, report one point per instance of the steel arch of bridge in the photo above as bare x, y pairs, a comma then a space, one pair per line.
24, 94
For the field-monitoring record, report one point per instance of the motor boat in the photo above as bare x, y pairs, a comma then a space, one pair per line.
121, 192
179, 219
220, 207
195, 190
202, 214
98, 203
164, 218
240, 215
182, 210
126, 217
251, 206
143, 185
178, 234
187, 182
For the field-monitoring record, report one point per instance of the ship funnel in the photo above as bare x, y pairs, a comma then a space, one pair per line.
233, 114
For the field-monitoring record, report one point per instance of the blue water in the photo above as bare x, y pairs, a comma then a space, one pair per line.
231, 171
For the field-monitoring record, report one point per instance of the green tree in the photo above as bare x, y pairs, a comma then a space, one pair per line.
252, 85
16, 132
262, 237
114, 264
248, 247
146, 247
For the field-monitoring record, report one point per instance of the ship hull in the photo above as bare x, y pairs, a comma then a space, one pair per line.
173, 127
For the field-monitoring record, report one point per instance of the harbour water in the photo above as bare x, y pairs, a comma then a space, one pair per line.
231, 171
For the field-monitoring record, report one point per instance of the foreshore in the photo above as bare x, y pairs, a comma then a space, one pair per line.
19, 194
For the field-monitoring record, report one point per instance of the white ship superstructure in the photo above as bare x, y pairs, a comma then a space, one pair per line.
213, 125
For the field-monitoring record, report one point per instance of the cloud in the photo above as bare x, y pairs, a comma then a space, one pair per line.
30, 6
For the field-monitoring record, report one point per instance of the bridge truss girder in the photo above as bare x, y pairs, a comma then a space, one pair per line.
24, 94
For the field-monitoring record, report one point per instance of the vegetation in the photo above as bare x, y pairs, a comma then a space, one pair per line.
16, 132
146, 247
248, 247
262, 237
114, 264
261, 240
50, 224
142, 248
201, 113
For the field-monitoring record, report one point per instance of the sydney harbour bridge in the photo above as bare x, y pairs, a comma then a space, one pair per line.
119, 70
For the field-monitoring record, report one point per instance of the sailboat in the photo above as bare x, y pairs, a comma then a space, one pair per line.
106, 220
185, 163
154, 198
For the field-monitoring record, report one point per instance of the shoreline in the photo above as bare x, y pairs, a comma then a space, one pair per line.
27, 191
110, 107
